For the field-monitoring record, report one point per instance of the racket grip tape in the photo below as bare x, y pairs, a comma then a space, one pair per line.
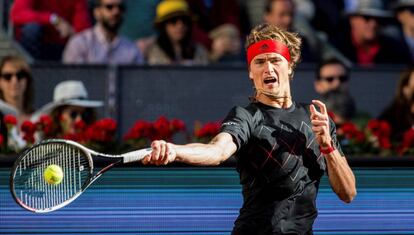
136, 155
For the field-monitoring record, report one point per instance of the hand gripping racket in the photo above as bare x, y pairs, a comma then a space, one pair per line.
30, 189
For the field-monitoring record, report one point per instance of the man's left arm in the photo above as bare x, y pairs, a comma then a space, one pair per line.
340, 175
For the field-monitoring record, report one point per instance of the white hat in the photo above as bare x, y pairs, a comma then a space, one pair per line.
69, 93
374, 8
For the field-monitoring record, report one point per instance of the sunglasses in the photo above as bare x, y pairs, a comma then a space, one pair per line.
342, 78
174, 20
19, 75
110, 7
369, 18
85, 115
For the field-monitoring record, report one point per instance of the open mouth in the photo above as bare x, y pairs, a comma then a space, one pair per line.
270, 80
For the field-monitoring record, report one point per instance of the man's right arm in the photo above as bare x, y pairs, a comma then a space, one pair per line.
220, 148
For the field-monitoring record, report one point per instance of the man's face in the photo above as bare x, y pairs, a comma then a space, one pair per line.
270, 72
364, 28
281, 14
331, 77
110, 14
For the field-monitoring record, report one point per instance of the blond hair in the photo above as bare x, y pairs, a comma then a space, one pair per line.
269, 31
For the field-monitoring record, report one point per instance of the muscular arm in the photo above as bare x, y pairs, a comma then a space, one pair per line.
218, 150
341, 177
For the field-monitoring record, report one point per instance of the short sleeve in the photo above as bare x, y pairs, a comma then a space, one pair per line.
238, 123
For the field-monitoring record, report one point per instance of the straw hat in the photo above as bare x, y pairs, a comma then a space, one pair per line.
70, 93
373, 8
168, 9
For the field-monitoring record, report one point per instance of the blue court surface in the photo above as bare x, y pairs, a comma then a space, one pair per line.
188, 200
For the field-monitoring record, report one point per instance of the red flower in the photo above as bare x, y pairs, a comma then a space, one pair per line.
210, 129
140, 129
80, 125
407, 142
10, 119
379, 128
28, 127
162, 129
351, 132
177, 125
101, 131
45, 124
1, 139
74, 137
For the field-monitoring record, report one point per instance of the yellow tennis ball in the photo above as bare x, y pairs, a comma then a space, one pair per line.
53, 174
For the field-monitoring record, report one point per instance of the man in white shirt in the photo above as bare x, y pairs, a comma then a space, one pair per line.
102, 44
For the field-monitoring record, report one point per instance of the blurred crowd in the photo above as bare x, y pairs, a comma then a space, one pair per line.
360, 32
337, 35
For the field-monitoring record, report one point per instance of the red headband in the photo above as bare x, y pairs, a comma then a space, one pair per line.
267, 46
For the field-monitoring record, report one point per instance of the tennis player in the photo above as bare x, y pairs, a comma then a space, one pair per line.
282, 147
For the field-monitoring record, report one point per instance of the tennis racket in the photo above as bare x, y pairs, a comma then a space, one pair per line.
31, 191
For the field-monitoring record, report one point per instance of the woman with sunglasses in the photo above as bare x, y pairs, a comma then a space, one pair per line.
174, 44
70, 109
16, 88
16, 94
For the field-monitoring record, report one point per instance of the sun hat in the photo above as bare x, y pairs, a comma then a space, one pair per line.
168, 9
69, 92
373, 8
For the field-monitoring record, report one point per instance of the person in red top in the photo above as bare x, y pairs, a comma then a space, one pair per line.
365, 43
43, 26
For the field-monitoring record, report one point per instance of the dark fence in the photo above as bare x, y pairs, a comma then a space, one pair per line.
195, 93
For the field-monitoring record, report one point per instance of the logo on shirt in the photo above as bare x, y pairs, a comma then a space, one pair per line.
229, 124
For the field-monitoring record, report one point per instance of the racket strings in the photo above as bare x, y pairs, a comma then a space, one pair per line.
32, 189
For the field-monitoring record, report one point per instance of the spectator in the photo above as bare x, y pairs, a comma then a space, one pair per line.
398, 114
226, 45
70, 108
102, 44
363, 43
42, 27
331, 74
315, 46
174, 44
16, 95
404, 10
332, 84
16, 88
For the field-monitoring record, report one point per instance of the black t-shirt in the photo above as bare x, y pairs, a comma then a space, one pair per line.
280, 168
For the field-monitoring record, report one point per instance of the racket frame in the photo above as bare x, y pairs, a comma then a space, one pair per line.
89, 154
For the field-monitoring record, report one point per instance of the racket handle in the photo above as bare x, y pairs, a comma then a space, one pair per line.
136, 155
